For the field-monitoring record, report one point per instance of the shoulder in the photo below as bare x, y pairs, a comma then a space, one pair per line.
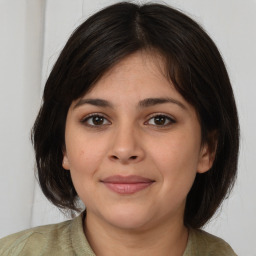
203, 243
36, 239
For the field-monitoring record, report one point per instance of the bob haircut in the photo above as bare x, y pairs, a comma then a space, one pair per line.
194, 66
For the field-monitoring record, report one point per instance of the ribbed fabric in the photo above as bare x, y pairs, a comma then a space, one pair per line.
67, 238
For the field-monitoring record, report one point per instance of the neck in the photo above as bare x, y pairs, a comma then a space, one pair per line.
168, 239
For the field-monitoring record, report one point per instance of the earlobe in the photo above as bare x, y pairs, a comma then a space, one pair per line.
208, 152
65, 162
206, 160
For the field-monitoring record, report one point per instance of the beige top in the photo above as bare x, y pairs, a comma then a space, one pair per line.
67, 238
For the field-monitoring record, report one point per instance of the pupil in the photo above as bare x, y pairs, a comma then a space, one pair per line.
97, 120
160, 120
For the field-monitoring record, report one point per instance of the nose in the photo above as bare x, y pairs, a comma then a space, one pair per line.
127, 146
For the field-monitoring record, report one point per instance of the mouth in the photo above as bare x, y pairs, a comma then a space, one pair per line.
127, 184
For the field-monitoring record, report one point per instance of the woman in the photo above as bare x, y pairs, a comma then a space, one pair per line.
138, 122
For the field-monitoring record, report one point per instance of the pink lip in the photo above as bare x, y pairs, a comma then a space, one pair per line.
127, 184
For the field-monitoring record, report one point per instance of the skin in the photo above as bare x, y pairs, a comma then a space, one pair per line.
128, 140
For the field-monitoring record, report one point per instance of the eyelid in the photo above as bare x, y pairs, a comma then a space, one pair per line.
151, 116
87, 117
167, 116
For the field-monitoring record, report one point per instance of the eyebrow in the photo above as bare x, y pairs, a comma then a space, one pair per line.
94, 102
148, 102
155, 101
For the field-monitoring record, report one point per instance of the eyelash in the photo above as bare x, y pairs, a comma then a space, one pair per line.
167, 118
87, 118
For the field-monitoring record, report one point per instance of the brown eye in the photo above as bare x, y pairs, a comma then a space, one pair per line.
95, 120
161, 120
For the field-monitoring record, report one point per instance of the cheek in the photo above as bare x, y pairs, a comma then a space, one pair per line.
83, 165
85, 155
177, 149
83, 159
176, 159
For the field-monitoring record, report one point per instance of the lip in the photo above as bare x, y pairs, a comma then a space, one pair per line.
127, 184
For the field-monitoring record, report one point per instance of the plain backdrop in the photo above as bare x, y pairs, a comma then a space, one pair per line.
32, 34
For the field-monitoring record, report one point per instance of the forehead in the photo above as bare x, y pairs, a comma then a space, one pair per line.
142, 73
138, 80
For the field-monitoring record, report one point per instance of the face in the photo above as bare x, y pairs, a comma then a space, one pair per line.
133, 146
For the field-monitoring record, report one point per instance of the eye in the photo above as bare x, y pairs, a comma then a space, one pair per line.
160, 120
95, 120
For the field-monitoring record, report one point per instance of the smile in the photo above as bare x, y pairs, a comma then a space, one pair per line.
127, 184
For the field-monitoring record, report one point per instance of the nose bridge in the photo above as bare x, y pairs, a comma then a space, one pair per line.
126, 144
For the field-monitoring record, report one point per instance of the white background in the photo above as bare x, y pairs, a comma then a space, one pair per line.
32, 33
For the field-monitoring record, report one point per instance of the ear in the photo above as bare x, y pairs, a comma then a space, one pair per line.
207, 154
65, 161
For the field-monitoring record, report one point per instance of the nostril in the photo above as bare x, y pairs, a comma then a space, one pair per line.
115, 157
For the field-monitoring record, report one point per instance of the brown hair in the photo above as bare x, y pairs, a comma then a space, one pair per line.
193, 64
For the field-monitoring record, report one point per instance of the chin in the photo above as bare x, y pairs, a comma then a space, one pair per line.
127, 218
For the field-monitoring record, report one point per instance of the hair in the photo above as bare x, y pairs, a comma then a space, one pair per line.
193, 64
